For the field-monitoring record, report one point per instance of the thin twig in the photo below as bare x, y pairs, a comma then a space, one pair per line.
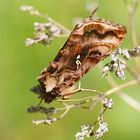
75, 100
67, 109
101, 96
91, 90
82, 89
100, 116
127, 84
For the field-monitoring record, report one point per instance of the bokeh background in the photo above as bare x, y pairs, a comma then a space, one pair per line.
19, 67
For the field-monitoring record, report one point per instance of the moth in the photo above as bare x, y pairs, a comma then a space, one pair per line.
89, 43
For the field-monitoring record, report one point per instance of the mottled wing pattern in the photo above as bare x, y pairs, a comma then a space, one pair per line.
88, 44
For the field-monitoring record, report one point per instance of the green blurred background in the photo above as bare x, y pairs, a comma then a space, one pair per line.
19, 67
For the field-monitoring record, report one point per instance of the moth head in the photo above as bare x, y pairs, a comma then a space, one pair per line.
101, 32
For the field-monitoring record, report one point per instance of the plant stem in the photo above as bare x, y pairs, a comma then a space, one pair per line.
131, 12
59, 25
118, 88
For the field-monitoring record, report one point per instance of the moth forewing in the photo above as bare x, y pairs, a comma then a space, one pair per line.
88, 44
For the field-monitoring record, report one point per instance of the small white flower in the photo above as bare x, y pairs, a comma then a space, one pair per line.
120, 73
108, 103
121, 64
115, 65
31, 10
55, 30
29, 42
49, 24
113, 57
37, 122
41, 36
79, 136
84, 127
54, 119
26, 8
87, 131
46, 121
103, 126
105, 70
126, 54
137, 49
101, 130
119, 51
39, 26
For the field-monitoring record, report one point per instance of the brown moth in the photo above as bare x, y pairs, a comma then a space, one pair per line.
88, 44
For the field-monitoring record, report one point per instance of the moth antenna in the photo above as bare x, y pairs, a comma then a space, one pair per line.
93, 14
